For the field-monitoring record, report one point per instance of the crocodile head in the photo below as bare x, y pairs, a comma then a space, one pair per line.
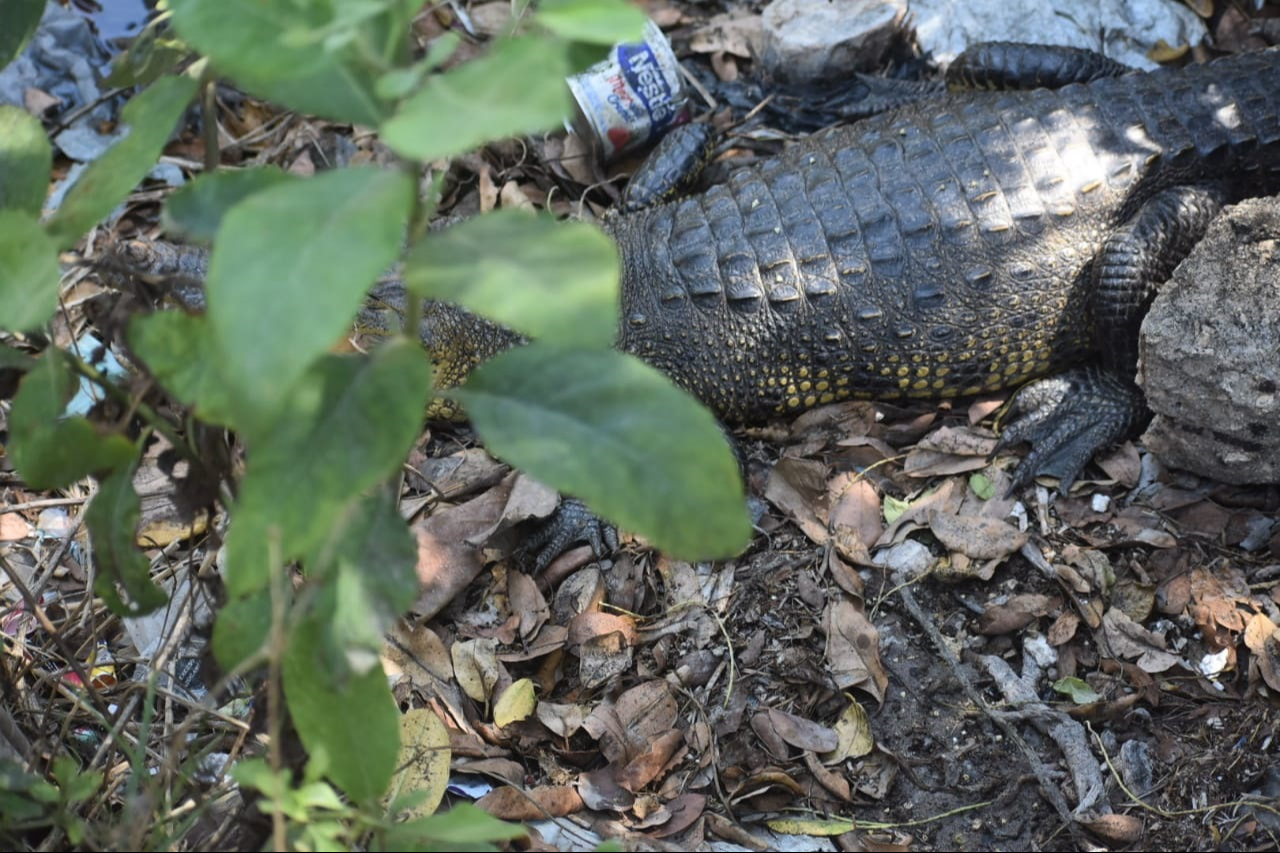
456, 340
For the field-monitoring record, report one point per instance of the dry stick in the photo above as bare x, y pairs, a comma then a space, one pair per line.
44, 502
1051, 792
33, 606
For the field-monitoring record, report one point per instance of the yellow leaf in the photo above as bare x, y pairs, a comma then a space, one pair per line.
423, 762
516, 703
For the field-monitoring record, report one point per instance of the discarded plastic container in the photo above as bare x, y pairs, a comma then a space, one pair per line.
631, 98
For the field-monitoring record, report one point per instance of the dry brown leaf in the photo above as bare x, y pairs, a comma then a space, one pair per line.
1143, 527
418, 654
975, 536
1123, 638
476, 667
681, 813
833, 782
770, 740
949, 450
527, 602
456, 475
582, 592
14, 527
1136, 599
802, 733
515, 197
1122, 464
1266, 657
636, 717
855, 507
852, 650
563, 720
945, 498
876, 775
487, 189
648, 764
601, 791
740, 34
765, 780
1115, 828
981, 408
733, 833
511, 803
798, 487
446, 561
603, 658
1015, 614
549, 639
1174, 594
586, 626
499, 769
1063, 628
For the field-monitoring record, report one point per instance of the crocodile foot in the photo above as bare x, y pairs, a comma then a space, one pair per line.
1067, 419
571, 522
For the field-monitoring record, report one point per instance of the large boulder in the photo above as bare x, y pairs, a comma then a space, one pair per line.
1210, 352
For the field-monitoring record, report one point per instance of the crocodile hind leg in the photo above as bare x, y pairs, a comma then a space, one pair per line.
1069, 417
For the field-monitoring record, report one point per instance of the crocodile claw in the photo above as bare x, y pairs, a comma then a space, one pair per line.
571, 522
1067, 419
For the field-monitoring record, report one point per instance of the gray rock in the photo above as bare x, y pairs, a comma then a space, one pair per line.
1210, 352
828, 39
1124, 30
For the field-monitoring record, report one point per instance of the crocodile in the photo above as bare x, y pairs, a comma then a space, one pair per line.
970, 242
967, 243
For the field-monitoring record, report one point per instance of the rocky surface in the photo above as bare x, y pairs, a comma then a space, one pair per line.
1210, 352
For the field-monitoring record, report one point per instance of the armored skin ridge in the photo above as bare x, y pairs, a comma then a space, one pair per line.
951, 247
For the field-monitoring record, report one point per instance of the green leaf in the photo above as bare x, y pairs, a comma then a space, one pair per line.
595, 21
615, 432
262, 46
77, 784
152, 53
1078, 690
982, 486
520, 83
354, 722
150, 118
290, 270
20, 20
349, 427
373, 559
28, 272
113, 517
551, 279
12, 359
177, 349
48, 451
462, 826
894, 508
399, 82
241, 630
196, 209
25, 157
